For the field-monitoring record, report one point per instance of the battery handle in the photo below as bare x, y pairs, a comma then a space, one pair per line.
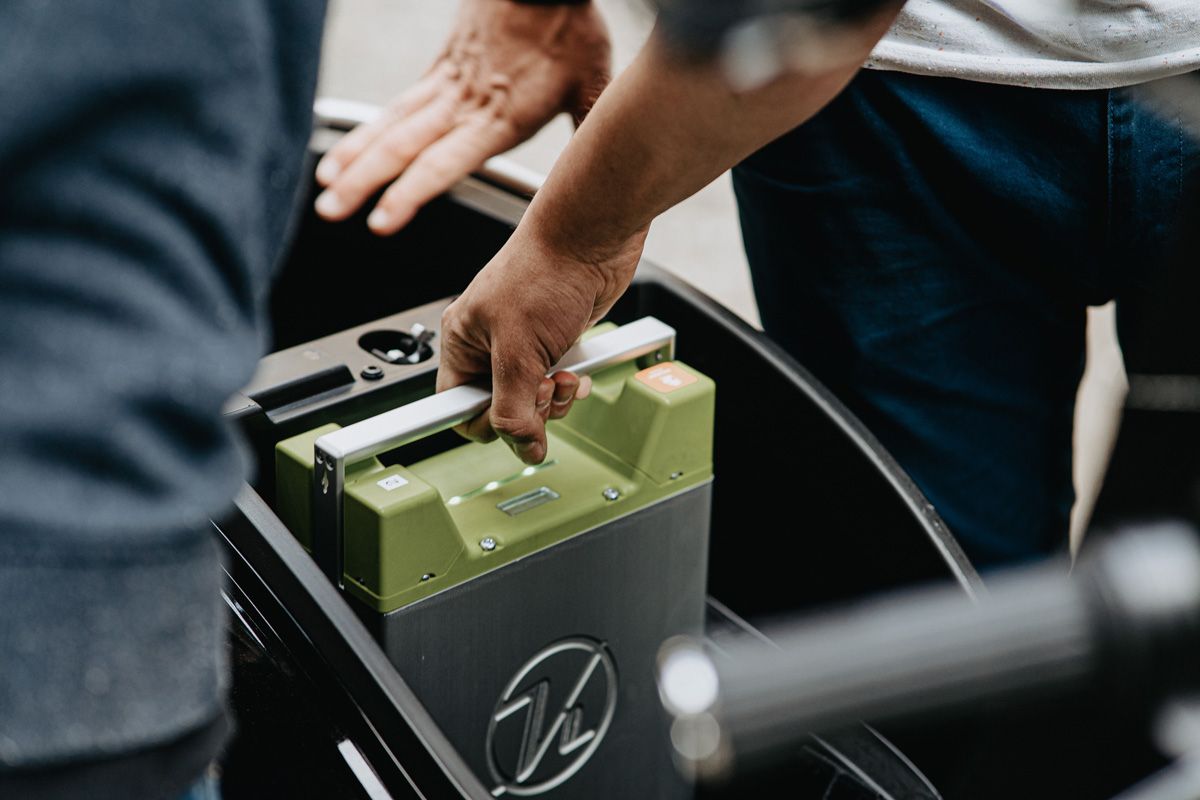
343, 448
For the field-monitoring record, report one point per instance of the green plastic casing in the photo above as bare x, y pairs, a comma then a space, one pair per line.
410, 538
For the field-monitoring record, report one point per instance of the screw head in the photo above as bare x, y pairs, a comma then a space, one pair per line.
676, 476
611, 494
426, 576
487, 544
371, 372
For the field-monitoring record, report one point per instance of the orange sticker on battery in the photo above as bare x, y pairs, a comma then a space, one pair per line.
666, 378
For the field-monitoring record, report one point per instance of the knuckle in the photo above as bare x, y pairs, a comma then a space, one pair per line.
455, 324
478, 430
397, 148
518, 429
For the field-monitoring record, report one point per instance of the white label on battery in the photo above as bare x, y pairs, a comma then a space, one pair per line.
391, 482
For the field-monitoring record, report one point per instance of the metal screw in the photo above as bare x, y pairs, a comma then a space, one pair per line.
426, 576
371, 373
611, 494
487, 544
676, 476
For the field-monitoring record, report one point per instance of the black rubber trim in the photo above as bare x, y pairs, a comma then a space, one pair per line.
421, 753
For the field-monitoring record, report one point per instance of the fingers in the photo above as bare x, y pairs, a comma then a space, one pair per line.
563, 389
352, 145
479, 429
438, 167
521, 399
523, 426
462, 362
383, 158
566, 390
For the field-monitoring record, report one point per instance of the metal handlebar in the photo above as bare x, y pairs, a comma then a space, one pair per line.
1130, 615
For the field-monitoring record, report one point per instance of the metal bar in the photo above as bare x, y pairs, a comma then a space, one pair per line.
335, 452
1128, 616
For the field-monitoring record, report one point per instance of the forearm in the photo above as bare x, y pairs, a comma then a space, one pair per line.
661, 132
664, 130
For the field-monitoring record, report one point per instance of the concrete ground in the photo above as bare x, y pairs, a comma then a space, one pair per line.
375, 48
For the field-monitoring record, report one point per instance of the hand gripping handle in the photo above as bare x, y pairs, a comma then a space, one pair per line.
340, 449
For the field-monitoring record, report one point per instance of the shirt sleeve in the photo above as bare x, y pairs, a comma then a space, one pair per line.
699, 27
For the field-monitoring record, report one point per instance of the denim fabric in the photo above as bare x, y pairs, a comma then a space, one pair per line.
928, 248
149, 156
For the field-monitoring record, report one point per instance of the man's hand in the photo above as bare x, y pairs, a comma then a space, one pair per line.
665, 129
518, 317
506, 71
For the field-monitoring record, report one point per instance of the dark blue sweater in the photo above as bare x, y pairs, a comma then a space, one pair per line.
149, 156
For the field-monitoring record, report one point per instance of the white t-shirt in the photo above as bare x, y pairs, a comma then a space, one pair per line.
1050, 44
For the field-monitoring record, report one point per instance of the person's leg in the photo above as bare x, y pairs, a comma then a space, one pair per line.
1155, 223
1156, 237
149, 155
925, 247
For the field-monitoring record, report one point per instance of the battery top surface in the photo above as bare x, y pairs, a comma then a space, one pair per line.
413, 530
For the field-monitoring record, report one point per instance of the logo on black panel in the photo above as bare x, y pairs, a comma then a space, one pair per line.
551, 717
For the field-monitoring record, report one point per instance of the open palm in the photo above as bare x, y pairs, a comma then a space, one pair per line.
507, 69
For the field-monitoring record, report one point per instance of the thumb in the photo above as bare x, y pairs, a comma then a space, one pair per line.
521, 395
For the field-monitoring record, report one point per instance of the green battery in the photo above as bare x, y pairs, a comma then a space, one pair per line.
525, 605
418, 529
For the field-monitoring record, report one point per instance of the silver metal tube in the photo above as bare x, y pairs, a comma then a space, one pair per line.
1131, 613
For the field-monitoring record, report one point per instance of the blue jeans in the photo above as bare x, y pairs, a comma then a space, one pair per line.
928, 248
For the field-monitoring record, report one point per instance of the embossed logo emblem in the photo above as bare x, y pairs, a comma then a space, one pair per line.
551, 717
